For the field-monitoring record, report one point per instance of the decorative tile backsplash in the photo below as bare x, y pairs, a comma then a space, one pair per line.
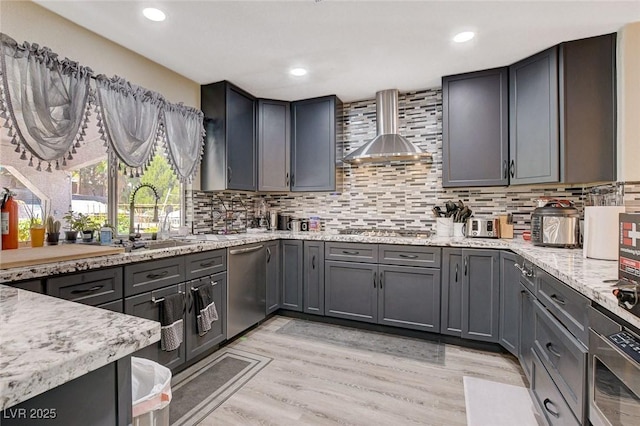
396, 195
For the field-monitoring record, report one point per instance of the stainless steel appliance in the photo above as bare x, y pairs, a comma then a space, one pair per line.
614, 372
246, 300
556, 224
483, 228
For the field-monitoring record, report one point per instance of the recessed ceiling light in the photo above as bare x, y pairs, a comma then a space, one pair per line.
463, 36
298, 72
153, 14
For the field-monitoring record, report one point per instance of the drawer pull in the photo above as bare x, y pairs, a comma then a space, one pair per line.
557, 300
551, 348
207, 264
381, 278
268, 255
87, 290
156, 276
350, 252
546, 404
408, 256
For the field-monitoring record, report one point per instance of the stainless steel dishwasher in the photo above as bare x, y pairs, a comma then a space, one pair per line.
246, 300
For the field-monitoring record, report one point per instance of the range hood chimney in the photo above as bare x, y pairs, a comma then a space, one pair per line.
388, 145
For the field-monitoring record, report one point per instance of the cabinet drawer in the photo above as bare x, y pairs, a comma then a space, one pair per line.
548, 397
206, 263
115, 306
351, 252
428, 257
31, 285
564, 358
147, 276
91, 288
569, 306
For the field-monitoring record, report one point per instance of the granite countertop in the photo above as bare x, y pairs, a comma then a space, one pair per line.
48, 341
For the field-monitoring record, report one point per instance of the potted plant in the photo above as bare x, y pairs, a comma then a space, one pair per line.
76, 224
53, 230
89, 226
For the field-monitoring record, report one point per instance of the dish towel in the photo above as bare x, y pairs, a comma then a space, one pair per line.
206, 312
172, 327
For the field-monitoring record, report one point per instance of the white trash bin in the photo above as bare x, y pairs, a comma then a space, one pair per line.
151, 392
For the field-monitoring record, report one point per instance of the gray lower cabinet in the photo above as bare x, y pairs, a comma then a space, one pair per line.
146, 305
274, 145
195, 343
409, 297
313, 282
101, 397
292, 275
351, 290
527, 330
477, 309
273, 260
314, 125
475, 128
509, 303
36, 286
115, 306
547, 397
91, 287
153, 275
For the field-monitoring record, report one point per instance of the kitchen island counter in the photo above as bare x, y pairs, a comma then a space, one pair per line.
587, 276
47, 342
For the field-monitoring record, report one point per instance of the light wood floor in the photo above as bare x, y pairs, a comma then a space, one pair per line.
312, 382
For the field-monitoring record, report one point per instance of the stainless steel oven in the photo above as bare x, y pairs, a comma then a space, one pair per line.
614, 372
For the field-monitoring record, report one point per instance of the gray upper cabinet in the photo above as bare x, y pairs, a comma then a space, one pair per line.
475, 129
314, 123
533, 119
509, 303
562, 115
292, 273
229, 160
274, 145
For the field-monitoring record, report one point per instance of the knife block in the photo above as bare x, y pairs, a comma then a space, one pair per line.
506, 229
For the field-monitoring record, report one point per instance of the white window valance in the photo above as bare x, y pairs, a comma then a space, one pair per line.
46, 104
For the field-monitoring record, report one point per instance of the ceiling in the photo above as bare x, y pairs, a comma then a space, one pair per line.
351, 48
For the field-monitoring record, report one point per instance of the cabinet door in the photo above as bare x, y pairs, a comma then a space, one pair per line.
274, 145
527, 330
481, 295
241, 140
314, 277
475, 138
313, 144
534, 144
451, 297
143, 306
509, 302
409, 297
292, 275
351, 290
196, 344
273, 259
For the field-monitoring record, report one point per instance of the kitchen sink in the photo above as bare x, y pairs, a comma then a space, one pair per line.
153, 245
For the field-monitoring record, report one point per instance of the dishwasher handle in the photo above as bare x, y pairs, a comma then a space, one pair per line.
246, 250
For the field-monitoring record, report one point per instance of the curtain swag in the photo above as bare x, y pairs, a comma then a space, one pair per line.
46, 104
44, 101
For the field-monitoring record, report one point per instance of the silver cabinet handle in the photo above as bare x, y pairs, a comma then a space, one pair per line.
287, 179
245, 250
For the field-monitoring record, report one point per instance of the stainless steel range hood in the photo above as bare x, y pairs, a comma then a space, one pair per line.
388, 145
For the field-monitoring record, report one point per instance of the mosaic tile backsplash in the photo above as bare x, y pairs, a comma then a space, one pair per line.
396, 195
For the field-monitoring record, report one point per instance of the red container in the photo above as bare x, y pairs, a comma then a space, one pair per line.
629, 247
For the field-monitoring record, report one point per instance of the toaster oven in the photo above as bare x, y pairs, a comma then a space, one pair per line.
483, 228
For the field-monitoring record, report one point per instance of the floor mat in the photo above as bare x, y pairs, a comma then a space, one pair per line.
406, 347
204, 386
497, 404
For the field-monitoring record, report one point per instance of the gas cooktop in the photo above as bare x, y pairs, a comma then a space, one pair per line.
385, 232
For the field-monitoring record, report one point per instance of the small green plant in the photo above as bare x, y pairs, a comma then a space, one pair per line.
53, 226
81, 222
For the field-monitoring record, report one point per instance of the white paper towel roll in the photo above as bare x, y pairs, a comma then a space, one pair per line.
600, 238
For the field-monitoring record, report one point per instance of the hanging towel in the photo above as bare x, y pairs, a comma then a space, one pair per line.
172, 327
206, 312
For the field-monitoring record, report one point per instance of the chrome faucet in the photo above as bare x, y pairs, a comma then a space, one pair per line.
132, 233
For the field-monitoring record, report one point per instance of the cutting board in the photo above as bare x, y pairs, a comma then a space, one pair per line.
50, 254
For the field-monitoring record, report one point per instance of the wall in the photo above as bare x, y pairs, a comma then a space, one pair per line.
396, 195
